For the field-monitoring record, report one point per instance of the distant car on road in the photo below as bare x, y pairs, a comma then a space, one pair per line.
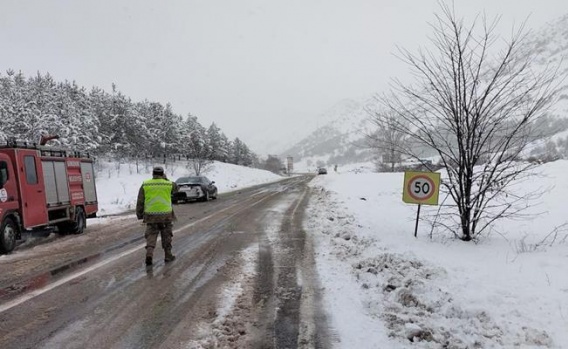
322, 170
194, 188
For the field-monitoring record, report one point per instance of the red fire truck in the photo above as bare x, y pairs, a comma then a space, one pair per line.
42, 188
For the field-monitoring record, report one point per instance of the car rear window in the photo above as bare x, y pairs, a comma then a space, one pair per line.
193, 180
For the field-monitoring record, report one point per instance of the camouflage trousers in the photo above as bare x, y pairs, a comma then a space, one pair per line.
151, 235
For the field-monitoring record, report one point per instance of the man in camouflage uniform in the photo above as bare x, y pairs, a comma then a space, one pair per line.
154, 206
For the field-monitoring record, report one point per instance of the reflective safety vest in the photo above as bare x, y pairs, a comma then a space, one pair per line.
157, 196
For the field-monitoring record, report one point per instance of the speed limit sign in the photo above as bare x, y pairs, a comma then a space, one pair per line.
421, 188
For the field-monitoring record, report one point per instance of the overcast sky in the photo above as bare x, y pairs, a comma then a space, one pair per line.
246, 65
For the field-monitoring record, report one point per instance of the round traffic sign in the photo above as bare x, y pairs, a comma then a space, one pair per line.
421, 187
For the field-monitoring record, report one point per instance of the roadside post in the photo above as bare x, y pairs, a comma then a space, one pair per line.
289, 164
422, 188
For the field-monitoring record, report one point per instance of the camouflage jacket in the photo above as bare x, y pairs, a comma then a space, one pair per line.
153, 218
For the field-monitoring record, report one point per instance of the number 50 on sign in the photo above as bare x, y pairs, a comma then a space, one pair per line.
421, 188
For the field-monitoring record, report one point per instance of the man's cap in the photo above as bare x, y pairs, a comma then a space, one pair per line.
158, 170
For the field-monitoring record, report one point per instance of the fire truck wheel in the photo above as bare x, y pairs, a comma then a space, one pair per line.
8, 233
78, 227
74, 227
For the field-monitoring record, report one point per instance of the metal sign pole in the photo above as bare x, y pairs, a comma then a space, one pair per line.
417, 217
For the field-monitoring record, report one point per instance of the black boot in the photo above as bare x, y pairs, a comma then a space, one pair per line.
148, 260
169, 257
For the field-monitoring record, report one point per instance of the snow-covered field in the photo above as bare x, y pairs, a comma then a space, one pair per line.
386, 289
117, 186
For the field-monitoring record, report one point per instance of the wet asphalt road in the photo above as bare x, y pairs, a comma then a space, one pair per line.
93, 291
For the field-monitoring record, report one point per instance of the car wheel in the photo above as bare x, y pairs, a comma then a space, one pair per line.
8, 234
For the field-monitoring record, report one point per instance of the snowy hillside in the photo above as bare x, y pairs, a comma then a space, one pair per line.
288, 135
118, 184
551, 45
341, 140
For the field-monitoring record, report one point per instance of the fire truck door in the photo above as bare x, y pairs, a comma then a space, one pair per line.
34, 204
8, 187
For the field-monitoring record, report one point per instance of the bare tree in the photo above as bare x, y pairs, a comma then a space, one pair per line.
475, 101
388, 139
273, 164
199, 152
199, 165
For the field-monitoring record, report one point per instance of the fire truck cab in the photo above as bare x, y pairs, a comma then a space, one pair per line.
42, 187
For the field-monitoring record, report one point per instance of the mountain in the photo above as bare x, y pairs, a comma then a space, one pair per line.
341, 140
282, 134
550, 45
